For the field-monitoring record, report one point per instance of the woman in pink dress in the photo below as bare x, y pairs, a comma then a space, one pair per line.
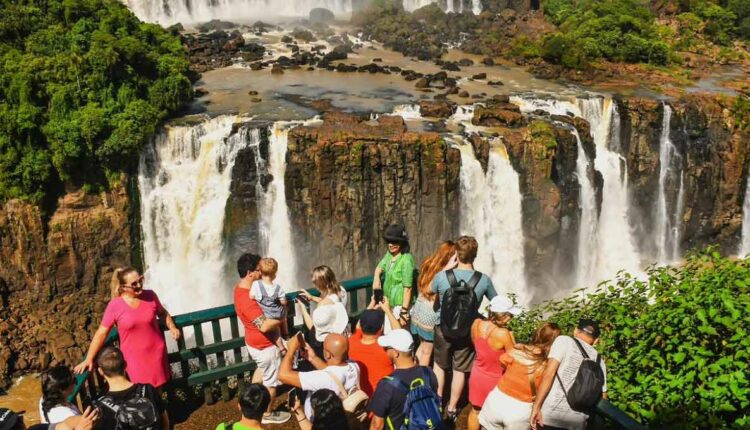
491, 339
135, 311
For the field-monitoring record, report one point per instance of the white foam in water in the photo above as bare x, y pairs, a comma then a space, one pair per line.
408, 112
491, 212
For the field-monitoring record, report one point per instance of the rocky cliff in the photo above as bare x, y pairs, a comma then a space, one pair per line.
54, 276
347, 178
713, 155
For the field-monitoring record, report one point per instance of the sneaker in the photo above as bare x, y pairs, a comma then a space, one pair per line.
276, 417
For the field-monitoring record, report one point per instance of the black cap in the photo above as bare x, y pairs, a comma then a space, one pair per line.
395, 233
589, 326
8, 419
371, 321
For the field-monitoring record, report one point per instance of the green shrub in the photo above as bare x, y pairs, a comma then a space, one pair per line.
83, 84
677, 344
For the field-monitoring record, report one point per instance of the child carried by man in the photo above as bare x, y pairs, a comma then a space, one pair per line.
271, 298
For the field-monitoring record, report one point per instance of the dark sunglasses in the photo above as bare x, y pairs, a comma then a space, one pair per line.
135, 284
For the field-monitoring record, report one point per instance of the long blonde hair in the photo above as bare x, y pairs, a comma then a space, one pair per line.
433, 265
325, 281
118, 279
540, 345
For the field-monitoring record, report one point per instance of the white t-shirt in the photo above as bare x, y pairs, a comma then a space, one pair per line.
556, 411
321, 379
57, 414
256, 293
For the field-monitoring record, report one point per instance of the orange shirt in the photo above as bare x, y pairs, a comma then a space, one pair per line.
373, 361
515, 381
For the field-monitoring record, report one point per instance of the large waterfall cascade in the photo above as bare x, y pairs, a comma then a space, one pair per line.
491, 212
668, 216
184, 181
168, 12
606, 240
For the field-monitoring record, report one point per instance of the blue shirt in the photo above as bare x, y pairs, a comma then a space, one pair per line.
484, 288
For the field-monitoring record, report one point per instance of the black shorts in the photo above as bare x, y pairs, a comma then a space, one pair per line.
458, 356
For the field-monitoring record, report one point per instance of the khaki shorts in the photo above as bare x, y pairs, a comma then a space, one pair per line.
458, 356
268, 361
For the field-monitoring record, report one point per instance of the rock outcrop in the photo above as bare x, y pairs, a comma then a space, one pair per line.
55, 274
348, 178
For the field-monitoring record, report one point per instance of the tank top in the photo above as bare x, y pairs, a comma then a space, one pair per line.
487, 359
516, 381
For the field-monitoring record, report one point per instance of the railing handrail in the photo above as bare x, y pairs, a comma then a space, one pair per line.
604, 408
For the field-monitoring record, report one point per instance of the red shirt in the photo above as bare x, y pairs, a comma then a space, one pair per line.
373, 361
249, 312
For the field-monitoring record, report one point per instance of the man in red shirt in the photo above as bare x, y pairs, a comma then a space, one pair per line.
372, 358
259, 332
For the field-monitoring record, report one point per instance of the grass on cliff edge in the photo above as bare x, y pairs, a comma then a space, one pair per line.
83, 85
676, 344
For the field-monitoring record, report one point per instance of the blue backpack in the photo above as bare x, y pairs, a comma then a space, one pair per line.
422, 406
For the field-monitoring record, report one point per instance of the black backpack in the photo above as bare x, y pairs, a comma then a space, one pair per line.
135, 413
459, 307
586, 390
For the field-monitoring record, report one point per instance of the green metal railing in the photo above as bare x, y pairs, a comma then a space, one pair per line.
359, 291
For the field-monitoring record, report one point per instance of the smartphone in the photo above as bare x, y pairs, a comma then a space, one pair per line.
292, 398
302, 299
378, 296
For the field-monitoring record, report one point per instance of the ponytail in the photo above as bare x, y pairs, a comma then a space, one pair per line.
118, 278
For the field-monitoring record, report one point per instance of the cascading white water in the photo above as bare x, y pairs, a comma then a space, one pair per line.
588, 230
450, 5
615, 243
167, 12
491, 212
607, 245
184, 180
275, 227
744, 247
668, 225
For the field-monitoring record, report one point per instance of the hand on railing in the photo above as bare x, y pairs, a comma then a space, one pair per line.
536, 419
86, 365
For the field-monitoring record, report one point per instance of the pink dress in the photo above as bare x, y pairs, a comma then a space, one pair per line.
141, 340
486, 370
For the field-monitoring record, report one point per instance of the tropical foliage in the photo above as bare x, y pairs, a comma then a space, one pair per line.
83, 84
676, 343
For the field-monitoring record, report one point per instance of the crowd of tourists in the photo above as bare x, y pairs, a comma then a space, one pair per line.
405, 364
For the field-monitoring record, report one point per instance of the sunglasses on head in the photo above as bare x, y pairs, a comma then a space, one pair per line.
135, 284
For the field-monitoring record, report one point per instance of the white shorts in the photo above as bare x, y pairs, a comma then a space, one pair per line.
503, 412
268, 361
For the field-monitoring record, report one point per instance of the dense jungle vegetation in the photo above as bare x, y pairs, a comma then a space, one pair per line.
676, 344
571, 33
83, 84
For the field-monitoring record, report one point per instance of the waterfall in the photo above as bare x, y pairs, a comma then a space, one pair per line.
615, 243
744, 247
606, 243
491, 212
667, 229
184, 179
275, 227
167, 12
587, 232
456, 6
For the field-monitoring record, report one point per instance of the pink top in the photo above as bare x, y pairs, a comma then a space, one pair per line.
486, 370
141, 340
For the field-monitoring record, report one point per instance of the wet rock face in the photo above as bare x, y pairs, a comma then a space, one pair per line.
544, 154
437, 108
54, 276
347, 179
712, 157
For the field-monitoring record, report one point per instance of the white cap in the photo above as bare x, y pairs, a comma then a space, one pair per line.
398, 339
329, 319
502, 304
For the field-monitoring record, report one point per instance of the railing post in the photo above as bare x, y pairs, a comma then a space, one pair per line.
208, 395
220, 361
235, 329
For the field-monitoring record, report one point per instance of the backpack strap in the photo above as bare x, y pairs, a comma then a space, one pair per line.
474, 281
580, 347
344, 394
397, 383
452, 281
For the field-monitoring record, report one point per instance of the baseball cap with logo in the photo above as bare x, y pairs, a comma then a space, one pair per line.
589, 326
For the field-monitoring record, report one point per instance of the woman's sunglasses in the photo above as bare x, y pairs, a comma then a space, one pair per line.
135, 284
